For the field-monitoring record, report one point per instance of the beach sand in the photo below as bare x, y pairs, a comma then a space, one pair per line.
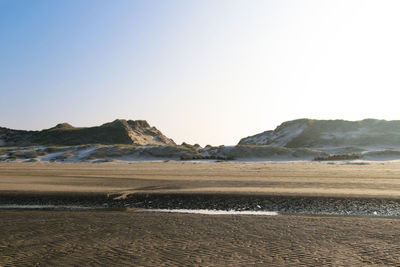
118, 238
145, 238
381, 179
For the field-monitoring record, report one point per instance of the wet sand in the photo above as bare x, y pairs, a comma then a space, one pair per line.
110, 238
117, 238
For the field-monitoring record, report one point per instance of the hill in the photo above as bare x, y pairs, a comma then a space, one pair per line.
137, 132
307, 133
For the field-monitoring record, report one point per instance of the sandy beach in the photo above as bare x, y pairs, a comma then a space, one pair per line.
199, 133
110, 238
126, 236
365, 179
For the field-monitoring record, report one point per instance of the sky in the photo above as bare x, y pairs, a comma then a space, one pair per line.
201, 71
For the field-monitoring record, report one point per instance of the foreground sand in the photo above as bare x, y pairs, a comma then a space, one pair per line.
123, 238
117, 238
380, 179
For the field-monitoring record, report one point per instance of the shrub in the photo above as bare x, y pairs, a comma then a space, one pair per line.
338, 157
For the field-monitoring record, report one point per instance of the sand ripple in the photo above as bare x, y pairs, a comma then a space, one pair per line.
99, 238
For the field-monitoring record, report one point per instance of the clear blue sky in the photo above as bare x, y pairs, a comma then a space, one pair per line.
207, 72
